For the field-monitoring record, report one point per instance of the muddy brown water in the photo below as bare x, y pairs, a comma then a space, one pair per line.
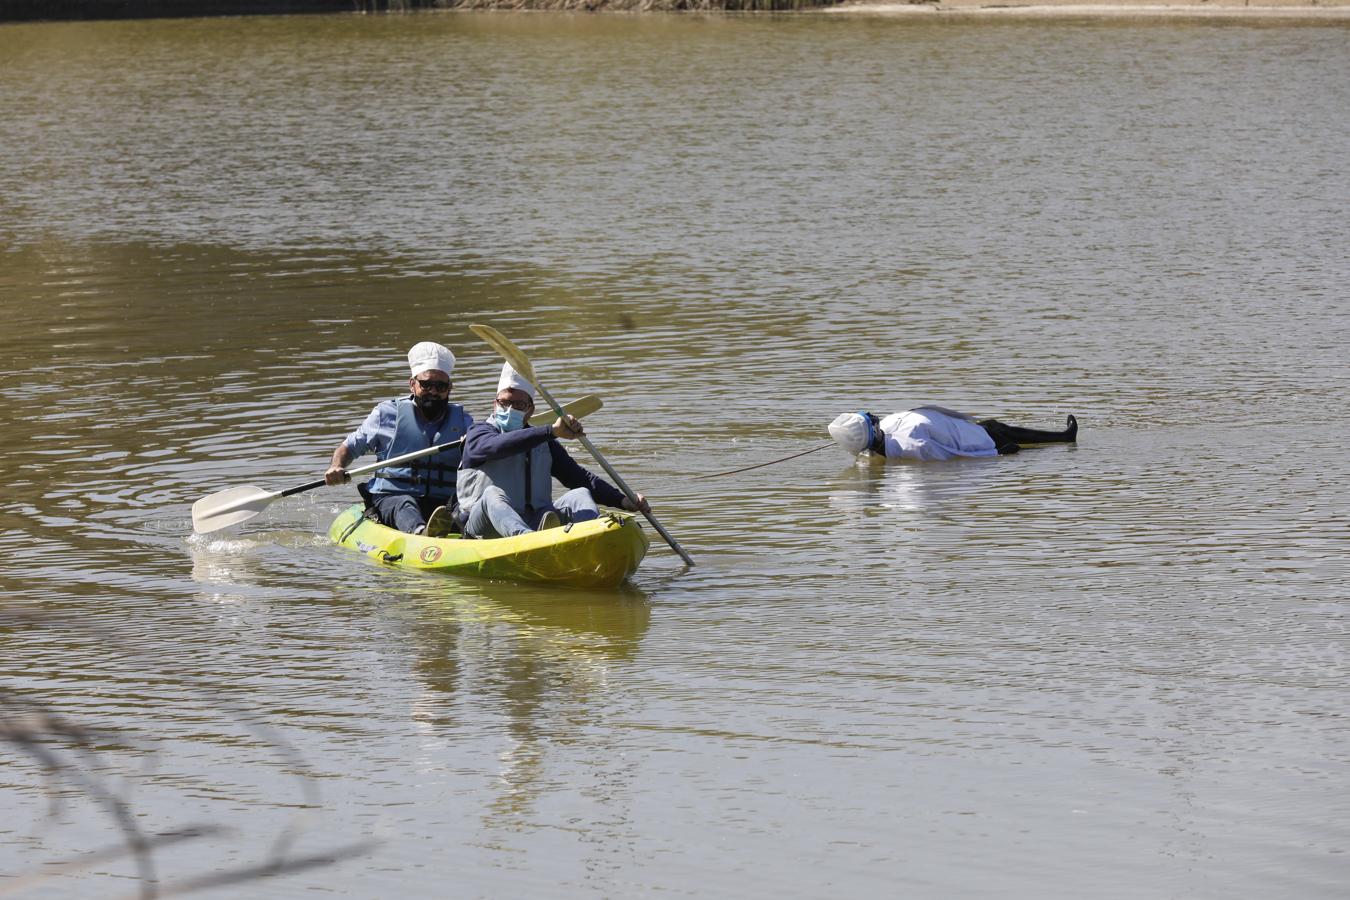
1116, 669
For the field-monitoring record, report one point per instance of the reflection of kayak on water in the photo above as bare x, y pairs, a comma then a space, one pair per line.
464, 625
596, 554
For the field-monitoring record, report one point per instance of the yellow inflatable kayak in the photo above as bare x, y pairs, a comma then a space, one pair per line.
596, 554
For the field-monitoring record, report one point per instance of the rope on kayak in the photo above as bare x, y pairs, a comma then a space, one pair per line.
762, 465
356, 523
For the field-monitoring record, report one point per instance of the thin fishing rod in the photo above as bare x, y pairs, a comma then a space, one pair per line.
762, 465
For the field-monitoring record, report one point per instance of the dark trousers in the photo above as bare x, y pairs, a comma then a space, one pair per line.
1009, 438
401, 511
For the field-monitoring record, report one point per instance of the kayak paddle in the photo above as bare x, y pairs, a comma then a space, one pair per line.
521, 363
239, 504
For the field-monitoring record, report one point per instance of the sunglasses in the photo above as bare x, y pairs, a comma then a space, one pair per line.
431, 384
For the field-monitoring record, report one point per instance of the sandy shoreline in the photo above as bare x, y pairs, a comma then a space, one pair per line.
1328, 10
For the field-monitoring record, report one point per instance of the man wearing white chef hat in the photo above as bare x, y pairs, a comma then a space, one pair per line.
418, 496
506, 477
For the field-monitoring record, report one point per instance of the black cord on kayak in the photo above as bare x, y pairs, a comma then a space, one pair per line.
762, 465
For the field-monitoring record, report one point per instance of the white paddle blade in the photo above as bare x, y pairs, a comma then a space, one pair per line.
226, 508
509, 351
583, 406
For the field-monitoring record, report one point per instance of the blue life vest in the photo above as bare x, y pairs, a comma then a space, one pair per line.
526, 478
431, 476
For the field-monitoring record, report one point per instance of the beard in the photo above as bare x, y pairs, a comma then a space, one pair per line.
432, 407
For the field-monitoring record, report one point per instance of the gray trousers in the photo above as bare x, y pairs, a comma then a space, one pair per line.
493, 516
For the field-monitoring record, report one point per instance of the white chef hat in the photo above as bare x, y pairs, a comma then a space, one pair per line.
429, 355
513, 379
852, 431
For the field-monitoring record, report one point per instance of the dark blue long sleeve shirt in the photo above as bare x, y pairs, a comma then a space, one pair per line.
484, 442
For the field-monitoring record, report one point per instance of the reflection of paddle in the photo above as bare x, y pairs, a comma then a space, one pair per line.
239, 504
521, 363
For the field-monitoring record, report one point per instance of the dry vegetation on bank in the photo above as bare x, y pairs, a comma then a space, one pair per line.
27, 10
33, 10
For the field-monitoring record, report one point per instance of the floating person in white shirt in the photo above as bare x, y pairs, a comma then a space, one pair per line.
936, 433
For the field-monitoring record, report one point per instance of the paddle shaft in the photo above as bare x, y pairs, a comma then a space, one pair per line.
320, 482
618, 480
375, 466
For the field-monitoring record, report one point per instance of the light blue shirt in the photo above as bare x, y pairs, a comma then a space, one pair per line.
376, 433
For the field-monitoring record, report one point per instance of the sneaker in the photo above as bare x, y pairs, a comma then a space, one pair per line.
549, 519
440, 523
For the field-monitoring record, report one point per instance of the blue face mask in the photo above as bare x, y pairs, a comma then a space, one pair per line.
508, 419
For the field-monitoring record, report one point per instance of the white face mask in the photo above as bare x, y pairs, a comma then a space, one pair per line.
508, 418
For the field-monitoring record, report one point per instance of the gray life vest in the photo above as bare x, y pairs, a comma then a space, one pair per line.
431, 476
526, 478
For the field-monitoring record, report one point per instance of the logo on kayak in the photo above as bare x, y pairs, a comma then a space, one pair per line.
365, 548
430, 554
